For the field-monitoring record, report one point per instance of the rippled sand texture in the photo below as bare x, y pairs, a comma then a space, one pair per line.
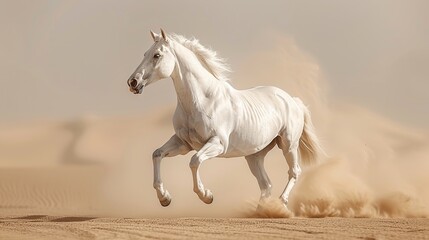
44, 227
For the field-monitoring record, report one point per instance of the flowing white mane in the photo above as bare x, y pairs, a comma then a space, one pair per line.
208, 58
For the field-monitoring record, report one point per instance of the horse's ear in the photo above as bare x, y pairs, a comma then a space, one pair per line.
164, 36
154, 36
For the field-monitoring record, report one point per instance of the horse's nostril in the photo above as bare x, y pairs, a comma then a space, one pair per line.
133, 83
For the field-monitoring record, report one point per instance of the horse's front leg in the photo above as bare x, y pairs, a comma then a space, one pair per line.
210, 150
171, 148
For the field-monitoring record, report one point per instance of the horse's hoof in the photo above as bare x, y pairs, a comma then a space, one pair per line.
208, 197
284, 200
166, 200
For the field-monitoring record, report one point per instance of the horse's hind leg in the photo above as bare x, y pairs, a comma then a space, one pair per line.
290, 152
294, 172
171, 148
256, 165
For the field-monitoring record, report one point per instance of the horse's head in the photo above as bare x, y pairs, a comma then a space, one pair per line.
158, 63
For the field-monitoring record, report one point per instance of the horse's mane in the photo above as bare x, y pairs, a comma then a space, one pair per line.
208, 58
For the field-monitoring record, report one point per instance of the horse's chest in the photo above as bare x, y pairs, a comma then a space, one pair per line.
195, 130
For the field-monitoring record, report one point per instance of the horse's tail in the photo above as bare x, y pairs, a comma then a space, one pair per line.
310, 148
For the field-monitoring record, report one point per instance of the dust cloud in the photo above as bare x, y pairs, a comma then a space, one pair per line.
376, 167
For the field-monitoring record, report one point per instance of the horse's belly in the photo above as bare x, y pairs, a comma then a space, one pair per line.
250, 141
239, 147
241, 142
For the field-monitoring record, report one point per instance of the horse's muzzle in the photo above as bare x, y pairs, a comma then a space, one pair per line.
137, 90
135, 87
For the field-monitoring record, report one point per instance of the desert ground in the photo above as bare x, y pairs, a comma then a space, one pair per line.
60, 227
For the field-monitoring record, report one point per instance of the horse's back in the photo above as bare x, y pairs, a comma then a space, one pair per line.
270, 96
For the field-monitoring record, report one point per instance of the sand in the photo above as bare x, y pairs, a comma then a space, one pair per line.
49, 227
91, 177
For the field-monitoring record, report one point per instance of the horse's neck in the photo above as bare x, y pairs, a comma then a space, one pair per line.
193, 83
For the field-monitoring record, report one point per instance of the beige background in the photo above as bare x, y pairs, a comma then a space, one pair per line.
74, 141
63, 59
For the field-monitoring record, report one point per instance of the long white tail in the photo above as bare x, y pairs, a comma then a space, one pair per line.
309, 145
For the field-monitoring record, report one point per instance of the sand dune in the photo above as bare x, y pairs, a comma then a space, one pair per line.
51, 190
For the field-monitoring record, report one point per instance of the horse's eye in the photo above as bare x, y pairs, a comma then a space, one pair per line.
156, 56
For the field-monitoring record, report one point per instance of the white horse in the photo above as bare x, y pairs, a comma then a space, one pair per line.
217, 120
